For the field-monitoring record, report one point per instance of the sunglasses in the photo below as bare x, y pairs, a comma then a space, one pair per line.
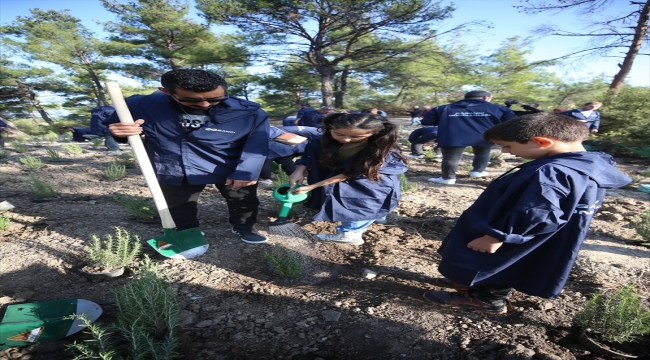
210, 100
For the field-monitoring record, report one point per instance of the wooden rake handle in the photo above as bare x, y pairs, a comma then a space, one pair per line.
141, 156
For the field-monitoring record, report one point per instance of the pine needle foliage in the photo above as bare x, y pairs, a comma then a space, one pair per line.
137, 205
285, 263
72, 149
31, 162
405, 185
4, 154
115, 171
5, 221
616, 317
42, 188
642, 226
149, 313
53, 155
51, 137
101, 346
113, 252
20, 148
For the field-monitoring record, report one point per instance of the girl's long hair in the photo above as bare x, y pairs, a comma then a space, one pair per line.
369, 160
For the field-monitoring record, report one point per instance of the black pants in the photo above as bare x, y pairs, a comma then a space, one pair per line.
490, 294
451, 157
182, 201
285, 162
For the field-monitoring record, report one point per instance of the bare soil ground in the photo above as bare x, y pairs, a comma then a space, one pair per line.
235, 307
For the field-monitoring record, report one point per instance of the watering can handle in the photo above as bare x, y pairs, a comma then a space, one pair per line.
141, 155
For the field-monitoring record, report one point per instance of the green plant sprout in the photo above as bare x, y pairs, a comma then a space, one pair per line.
405, 185
617, 317
72, 149
53, 155
642, 226
20, 148
137, 205
51, 137
42, 188
100, 347
115, 171
126, 159
285, 262
113, 252
31, 162
429, 154
280, 178
646, 172
5, 221
96, 142
4, 154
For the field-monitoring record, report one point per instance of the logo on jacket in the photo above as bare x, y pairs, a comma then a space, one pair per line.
470, 114
219, 130
586, 209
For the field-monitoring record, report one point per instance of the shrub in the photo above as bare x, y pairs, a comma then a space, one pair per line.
31, 162
51, 137
617, 317
115, 171
52, 154
126, 159
66, 138
20, 139
429, 154
137, 205
96, 142
5, 220
28, 126
148, 313
20, 148
285, 262
405, 185
72, 149
42, 188
100, 347
280, 178
4, 154
646, 172
642, 226
110, 252
35, 140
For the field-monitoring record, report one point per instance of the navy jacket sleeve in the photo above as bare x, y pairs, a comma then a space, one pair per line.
431, 117
255, 150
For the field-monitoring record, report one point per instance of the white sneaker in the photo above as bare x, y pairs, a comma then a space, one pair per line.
267, 182
478, 174
415, 156
442, 181
352, 238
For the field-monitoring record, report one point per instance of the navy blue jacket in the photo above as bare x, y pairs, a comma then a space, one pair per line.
313, 119
78, 134
278, 149
302, 113
354, 199
542, 213
463, 123
97, 117
592, 122
2, 125
233, 144
424, 134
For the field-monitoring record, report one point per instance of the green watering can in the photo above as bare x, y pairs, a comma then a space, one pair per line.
283, 194
643, 152
35, 323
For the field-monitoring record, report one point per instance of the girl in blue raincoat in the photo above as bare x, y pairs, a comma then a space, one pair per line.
353, 173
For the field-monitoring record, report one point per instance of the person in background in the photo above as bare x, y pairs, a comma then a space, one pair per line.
80, 134
588, 115
97, 116
525, 230
559, 111
421, 136
416, 115
461, 124
305, 110
528, 108
315, 119
353, 173
2, 131
195, 135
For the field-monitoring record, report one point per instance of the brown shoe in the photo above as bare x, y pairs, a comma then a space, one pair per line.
444, 282
458, 300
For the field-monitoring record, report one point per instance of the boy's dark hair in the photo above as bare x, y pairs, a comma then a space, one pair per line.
192, 80
523, 128
369, 160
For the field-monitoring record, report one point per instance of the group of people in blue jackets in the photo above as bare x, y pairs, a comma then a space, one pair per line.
522, 233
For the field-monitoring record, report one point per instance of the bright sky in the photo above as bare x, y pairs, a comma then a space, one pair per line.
506, 21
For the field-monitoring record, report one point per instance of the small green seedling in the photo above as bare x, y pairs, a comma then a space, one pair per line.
280, 178
97, 142
4, 154
20, 148
72, 149
137, 205
53, 155
642, 226
42, 188
51, 137
5, 221
113, 252
126, 159
115, 171
31, 162
285, 262
646, 172
429, 154
405, 185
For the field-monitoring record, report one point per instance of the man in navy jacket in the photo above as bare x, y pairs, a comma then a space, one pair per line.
195, 134
588, 115
462, 124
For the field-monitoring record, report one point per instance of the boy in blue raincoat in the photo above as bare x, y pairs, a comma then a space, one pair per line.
525, 230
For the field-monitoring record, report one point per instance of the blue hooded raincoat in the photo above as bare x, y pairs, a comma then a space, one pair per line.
354, 199
233, 144
542, 213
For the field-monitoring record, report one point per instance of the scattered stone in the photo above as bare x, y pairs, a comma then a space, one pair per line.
369, 274
520, 352
187, 318
5, 205
331, 315
203, 324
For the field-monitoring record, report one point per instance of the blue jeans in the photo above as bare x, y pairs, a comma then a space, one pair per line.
451, 157
415, 121
110, 143
355, 226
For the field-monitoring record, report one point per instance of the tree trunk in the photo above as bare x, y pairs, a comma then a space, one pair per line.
326, 77
11, 128
101, 96
343, 86
37, 105
640, 33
